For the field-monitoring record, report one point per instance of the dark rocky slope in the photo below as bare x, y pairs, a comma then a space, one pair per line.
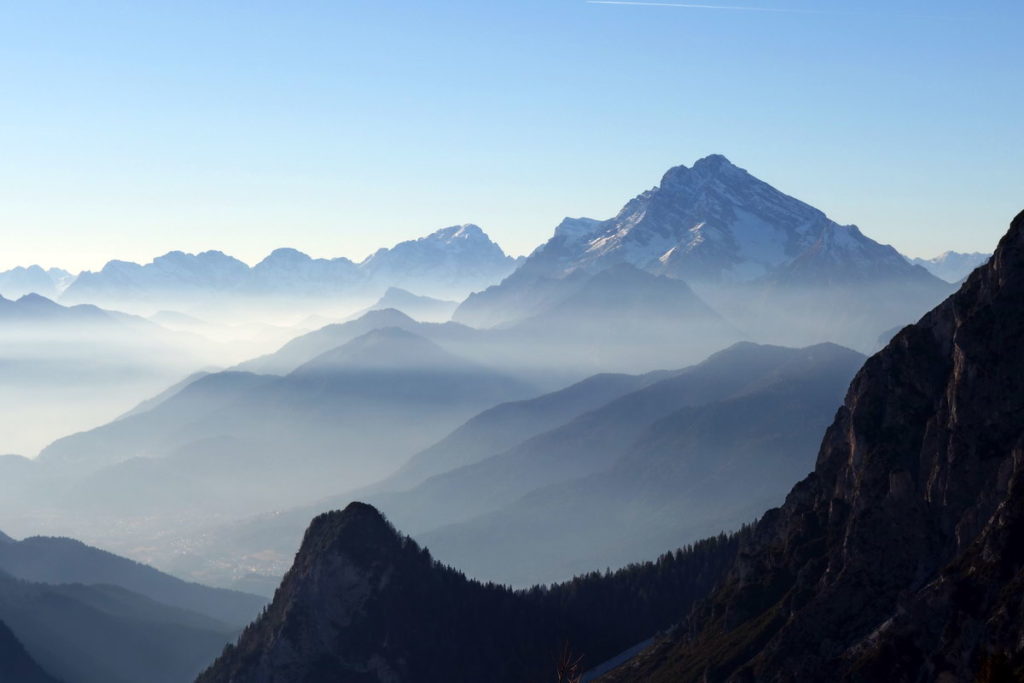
16, 666
901, 558
363, 604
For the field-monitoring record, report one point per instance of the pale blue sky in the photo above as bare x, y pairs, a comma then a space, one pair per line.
131, 128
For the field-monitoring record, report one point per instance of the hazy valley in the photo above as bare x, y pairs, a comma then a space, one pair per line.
586, 439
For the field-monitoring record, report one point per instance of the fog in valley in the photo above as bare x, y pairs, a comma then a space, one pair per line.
590, 341
624, 390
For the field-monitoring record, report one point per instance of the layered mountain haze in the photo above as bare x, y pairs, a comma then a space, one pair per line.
306, 347
895, 559
386, 376
776, 267
266, 543
150, 483
290, 272
502, 427
626, 320
68, 368
65, 561
167, 277
703, 468
619, 320
422, 308
18, 282
105, 634
630, 397
601, 473
87, 615
449, 263
898, 557
594, 441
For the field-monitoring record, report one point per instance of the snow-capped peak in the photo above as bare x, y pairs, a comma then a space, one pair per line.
466, 231
712, 222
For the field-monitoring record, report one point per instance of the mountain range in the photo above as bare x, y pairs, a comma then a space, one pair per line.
450, 262
37, 309
621, 319
898, 558
86, 615
347, 417
422, 308
66, 561
67, 368
952, 266
777, 268
604, 472
689, 474
750, 251
50, 282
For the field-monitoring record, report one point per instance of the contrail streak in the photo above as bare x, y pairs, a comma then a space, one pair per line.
687, 5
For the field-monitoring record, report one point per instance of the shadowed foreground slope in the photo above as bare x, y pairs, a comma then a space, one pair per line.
363, 603
16, 666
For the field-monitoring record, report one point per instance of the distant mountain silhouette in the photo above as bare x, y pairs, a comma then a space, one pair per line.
64, 560
386, 348
629, 320
20, 281
594, 475
450, 262
422, 308
619, 320
105, 634
55, 357
952, 266
595, 441
341, 420
36, 309
688, 475
305, 348
498, 429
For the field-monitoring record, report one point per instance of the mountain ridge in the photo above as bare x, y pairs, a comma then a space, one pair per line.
457, 259
898, 557
326, 621
52, 560
755, 254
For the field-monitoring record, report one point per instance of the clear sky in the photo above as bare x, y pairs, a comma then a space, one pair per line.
128, 129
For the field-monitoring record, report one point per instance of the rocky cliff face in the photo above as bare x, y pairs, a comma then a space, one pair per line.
901, 557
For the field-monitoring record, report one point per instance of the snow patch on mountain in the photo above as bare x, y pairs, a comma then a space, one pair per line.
952, 266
